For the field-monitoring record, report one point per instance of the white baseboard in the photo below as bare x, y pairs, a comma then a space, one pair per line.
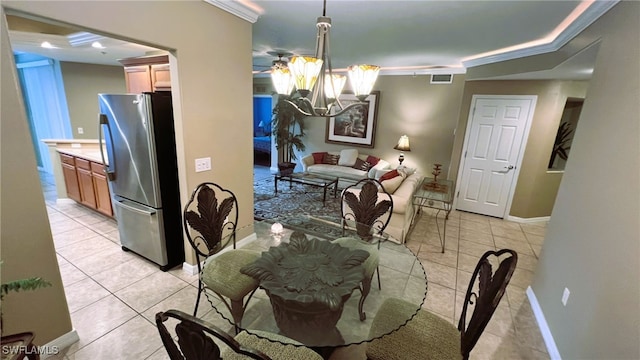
552, 349
63, 201
60, 343
193, 269
528, 220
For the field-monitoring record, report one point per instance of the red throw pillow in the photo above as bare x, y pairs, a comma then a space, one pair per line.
389, 175
317, 157
372, 160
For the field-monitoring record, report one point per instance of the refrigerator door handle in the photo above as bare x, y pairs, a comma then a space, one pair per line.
135, 209
111, 175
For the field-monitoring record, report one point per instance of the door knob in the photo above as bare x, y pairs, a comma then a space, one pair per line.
509, 167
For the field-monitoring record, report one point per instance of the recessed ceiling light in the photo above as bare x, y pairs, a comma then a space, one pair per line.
97, 45
46, 45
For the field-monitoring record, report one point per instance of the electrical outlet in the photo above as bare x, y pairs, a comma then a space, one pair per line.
203, 164
80, 131
565, 296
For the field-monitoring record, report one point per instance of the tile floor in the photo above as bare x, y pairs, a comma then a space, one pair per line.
113, 295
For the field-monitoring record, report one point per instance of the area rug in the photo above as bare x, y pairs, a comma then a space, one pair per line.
289, 203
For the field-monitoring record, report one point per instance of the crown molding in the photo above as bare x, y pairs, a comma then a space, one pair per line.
236, 7
590, 15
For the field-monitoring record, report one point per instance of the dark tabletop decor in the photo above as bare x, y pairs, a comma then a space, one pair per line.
308, 281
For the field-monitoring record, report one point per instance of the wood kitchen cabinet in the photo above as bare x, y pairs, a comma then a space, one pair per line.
101, 189
86, 183
148, 73
70, 176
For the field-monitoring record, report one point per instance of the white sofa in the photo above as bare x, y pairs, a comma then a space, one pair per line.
341, 171
403, 208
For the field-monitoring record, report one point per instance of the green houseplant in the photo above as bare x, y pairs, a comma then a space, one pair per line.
28, 284
287, 126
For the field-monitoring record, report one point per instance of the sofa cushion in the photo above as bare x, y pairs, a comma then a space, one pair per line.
392, 184
330, 159
361, 165
348, 157
373, 160
318, 156
405, 171
337, 171
389, 175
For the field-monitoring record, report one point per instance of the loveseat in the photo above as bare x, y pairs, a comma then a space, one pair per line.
352, 166
347, 164
402, 196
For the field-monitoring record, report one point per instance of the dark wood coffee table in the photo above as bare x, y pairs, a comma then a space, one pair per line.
323, 181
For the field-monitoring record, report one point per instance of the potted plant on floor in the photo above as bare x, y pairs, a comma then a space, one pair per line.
32, 283
288, 129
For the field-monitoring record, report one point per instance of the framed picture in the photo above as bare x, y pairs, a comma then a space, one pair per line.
357, 126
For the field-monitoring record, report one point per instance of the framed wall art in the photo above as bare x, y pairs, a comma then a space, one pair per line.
357, 126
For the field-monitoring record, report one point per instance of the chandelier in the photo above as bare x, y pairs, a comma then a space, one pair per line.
309, 84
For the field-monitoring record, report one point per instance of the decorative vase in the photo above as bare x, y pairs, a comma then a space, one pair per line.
286, 168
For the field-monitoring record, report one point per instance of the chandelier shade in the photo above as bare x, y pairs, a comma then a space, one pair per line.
310, 84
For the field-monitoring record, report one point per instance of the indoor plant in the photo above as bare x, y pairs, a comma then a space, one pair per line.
32, 283
288, 129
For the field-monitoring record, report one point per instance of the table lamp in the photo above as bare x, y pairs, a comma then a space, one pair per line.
403, 145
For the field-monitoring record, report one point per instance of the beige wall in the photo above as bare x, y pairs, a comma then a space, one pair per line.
592, 245
82, 84
212, 90
536, 188
26, 243
408, 105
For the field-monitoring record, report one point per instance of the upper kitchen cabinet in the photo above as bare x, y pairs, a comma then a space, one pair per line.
148, 73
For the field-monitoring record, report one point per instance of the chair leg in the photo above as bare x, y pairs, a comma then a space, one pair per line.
366, 287
200, 289
237, 311
378, 272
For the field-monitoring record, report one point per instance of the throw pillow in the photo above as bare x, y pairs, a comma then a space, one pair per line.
318, 156
361, 165
331, 159
348, 157
391, 185
406, 171
372, 160
389, 175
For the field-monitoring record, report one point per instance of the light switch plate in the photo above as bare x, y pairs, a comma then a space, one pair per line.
203, 164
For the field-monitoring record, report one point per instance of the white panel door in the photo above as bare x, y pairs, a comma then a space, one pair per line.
492, 152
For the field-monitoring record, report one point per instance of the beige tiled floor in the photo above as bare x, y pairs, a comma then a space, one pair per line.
114, 295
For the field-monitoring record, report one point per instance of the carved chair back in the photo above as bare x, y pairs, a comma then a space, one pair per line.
485, 290
210, 219
194, 341
370, 210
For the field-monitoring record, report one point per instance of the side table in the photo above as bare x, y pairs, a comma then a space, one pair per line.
435, 195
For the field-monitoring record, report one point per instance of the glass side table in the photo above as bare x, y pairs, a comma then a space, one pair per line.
435, 195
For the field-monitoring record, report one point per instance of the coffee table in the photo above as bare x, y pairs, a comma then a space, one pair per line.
323, 181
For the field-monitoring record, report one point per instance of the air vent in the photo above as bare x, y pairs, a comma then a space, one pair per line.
441, 78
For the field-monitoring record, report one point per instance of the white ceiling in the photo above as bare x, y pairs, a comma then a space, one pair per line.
403, 37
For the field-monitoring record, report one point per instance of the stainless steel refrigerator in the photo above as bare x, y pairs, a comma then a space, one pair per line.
139, 137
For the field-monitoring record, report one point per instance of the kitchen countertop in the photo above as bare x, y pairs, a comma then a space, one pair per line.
84, 153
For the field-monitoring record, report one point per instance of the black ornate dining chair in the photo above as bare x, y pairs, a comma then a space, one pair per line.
428, 336
367, 207
198, 339
210, 221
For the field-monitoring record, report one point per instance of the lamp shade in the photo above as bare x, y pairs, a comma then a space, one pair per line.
305, 71
281, 78
333, 85
362, 78
403, 144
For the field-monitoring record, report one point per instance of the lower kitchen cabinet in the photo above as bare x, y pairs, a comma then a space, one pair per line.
86, 183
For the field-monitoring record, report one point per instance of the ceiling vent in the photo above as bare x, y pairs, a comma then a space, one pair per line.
441, 78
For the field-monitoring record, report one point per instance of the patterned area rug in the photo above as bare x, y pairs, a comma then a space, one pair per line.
289, 203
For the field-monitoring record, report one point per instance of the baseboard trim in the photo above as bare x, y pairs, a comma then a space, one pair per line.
62, 201
59, 343
193, 269
528, 220
552, 349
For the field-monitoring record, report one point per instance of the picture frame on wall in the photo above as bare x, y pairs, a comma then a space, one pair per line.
357, 126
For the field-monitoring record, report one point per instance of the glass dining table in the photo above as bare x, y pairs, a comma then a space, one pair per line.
303, 245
